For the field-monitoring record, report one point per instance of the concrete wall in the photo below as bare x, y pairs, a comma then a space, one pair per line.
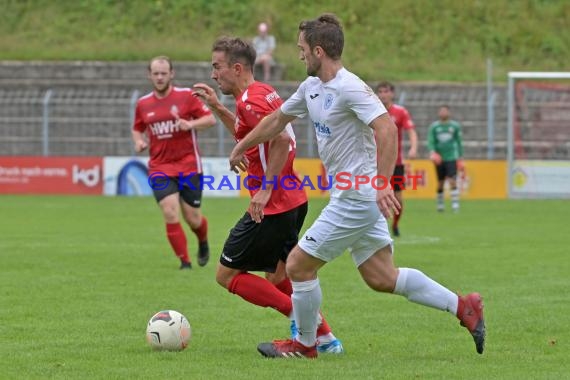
90, 105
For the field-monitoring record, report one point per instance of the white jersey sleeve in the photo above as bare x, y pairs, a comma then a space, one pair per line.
296, 105
363, 101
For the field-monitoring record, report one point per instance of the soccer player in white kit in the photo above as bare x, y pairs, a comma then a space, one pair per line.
351, 124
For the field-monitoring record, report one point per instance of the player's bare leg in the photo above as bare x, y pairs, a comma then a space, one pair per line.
278, 277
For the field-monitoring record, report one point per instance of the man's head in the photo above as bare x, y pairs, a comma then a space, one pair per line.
160, 73
385, 91
318, 39
262, 29
232, 63
444, 112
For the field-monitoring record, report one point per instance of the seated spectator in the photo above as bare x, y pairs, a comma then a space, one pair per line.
264, 44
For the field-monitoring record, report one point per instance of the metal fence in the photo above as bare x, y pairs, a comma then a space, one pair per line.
95, 123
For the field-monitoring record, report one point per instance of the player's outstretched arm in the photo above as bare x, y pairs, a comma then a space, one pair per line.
268, 128
387, 142
208, 95
199, 124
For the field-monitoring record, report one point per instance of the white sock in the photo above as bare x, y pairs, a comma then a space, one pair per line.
440, 199
455, 198
419, 288
306, 299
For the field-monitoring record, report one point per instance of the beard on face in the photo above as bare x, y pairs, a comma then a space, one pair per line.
312, 70
161, 88
313, 67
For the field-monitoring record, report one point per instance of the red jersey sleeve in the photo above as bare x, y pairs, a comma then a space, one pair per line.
138, 124
197, 108
407, 122
252, 110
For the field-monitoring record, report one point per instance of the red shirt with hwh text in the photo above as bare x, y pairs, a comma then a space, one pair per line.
172, 151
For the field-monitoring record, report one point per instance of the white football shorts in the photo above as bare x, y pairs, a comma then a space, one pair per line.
344, 224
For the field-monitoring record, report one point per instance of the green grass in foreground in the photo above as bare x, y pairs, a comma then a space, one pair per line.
81, 276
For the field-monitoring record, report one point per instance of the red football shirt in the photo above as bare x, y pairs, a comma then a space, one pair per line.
401, 117
172, 151
256, 102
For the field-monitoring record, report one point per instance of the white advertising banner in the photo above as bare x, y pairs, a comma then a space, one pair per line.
550, 179
129, 176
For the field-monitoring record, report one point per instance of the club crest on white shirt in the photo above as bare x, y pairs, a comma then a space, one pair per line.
328, 101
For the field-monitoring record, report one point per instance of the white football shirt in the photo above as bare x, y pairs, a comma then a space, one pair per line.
340, 111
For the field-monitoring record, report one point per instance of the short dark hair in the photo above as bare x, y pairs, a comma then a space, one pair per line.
161, 58
324, 31
237, 50
385, 84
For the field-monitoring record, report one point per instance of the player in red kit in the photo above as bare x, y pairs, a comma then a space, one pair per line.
262, 238
403, 120
170, 117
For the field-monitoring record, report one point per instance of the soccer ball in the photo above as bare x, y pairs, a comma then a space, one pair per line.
168, 330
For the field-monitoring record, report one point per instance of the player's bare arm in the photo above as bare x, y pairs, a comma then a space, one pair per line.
268, 128
278, 154
413, 136
386, 134
208, 95
139, 141
199, 124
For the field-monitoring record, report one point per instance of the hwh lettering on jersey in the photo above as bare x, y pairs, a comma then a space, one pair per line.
164, 129
272, 97
321, 129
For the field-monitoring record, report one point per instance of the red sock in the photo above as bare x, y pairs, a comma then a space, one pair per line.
398, 216
323, 328
202, 231
260, 292
177, 239
285, 287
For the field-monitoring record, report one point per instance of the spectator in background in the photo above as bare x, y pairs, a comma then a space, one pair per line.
446, 151
264, 45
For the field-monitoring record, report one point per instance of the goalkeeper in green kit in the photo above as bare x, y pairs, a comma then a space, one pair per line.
446, 151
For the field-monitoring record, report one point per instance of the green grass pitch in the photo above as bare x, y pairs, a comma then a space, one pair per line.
81, 276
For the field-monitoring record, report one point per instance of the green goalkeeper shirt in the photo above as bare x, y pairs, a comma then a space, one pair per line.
445, 139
